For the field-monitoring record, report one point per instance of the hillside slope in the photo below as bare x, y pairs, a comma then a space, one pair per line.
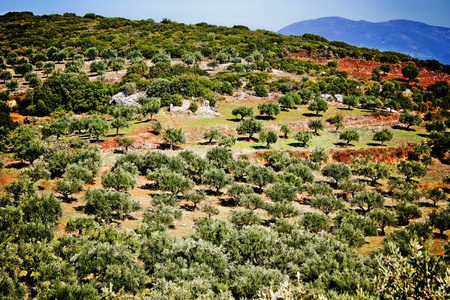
412, 38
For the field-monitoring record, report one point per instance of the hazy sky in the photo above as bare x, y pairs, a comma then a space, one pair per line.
256, 14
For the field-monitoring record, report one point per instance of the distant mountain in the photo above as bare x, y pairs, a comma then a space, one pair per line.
409, 37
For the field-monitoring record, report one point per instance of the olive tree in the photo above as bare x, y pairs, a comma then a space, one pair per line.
367, 200
216, 178
383, 136
249, 126
242, 112
174, 136
318, 105
349, 135
337, 171
411, 169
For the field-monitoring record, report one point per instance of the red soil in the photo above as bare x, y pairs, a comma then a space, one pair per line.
363, 68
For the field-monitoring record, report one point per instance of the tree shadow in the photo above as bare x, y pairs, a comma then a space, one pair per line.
246, 139
426, 204
228, 202
345, 108
311, 115
117, 151
187, 207
437, 235
424, 135
144, 121
342, 144
398, 127
258, 147
297, 145
164, 146
17, 165
149, 186
68, 199
234, 120
79, 208
375, 144
265, 118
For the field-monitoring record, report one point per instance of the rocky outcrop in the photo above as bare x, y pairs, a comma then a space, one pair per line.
124, 99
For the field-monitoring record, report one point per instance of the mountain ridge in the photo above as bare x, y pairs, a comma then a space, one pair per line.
413, 38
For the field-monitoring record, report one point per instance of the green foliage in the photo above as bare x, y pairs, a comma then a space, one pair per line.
212, 134
326, 203
315, 124
246, 217
318, 105
27, 143
349, 135
337, 171
216, 178
411, 72
435, 195
410, 119
67, 187
440, 220
170, 181
367, 199
383, 136
286, 129
242, 112
417, 274
250, 126
303, 137
407, 211
315, 222
281, 191
106, 205
337, 121
411, 169
269, 109
120, 179
174, 136
284, 209
270, 137
301, 171
260, 175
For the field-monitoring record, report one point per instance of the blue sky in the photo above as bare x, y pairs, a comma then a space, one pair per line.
256, 14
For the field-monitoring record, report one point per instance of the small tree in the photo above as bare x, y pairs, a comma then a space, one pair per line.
319, 155
237, 190
119, 122
441, 220
435, 195
269, 109
67, 187
368, 199
337, 121
157, 127
315, 124
212, 134
171, 181
6, 75
327, 203
281, 191
286, 129
411, 72
210, 210
349, 135
373, 171
270, 137
383, 136
282, 210
337, 171
410, 119
303, 137
151, 108
250, 126
125, 142
196, 197
386, 68
411, 169
315, 222
260, 176
384, 217
216, 178
318, 105
350, 100
242, 111
286, 102
174, 136
49, 67
407, 211
246, 217
91, 53
119, 179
